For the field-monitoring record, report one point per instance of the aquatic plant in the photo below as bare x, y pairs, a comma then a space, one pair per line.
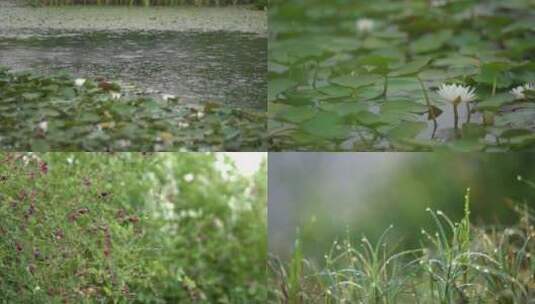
364, 75
94, 116
459, 263
456, 94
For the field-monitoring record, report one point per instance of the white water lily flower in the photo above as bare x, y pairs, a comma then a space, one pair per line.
115, 95
456, 93
166, 97
519, 91
43, 125
365, 25
79, 82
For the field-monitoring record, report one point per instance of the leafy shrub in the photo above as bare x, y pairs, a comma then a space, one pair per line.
129, 227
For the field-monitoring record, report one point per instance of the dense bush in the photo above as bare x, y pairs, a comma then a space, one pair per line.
130, 227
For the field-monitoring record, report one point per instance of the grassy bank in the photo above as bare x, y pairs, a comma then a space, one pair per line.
457, 263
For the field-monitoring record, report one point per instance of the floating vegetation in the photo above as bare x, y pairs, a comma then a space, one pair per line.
41, 113
365, 75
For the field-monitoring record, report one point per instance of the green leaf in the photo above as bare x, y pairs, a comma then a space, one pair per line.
68, 93
345, 108
278, 86
411, 68
493, 103
431, 42
296, 114
356, 81
407, 129
31, 96
326, 125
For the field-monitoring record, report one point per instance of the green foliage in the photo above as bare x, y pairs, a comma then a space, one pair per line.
90, 118
130, 227
260, 4
459, 263
320, 59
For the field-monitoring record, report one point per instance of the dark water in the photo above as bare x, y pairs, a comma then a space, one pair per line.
196, 66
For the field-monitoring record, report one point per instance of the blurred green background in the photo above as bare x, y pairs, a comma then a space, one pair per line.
326, 195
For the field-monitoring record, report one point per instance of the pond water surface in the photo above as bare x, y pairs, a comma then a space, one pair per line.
226, 67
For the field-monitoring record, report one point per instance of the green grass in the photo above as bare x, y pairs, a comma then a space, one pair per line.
459, 263
130, 228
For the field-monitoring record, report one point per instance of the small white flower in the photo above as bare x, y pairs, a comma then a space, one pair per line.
43, 125
200, 115
365, 25
456, 93
189, 177
183, 125
79, 82
519, 91
115, 95
166, 97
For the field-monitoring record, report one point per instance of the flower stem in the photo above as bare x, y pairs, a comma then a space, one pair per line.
494, 86
456, 118
429, 108
468, 113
